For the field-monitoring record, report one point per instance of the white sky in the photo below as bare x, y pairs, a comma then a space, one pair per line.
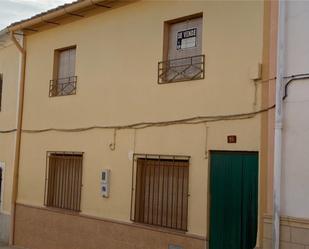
16, 10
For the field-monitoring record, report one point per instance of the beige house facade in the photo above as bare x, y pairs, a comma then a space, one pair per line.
129, 108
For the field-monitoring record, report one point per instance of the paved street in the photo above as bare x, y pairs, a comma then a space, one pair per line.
4, 246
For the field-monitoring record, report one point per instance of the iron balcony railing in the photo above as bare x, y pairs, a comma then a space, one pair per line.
183, 69
63, 86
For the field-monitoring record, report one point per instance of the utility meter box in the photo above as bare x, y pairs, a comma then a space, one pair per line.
105, 183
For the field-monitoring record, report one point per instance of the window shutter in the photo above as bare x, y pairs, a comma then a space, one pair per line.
64, 181
65, 84
72, 56
67, 63
161, 197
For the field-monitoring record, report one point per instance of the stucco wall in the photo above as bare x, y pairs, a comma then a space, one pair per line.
295, 175
9, 64
116, 65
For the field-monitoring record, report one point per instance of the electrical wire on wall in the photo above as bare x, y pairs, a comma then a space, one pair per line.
291, 78
206, 141
255, 95
144, 125
112, 145
8, 131
187, 121
261, 81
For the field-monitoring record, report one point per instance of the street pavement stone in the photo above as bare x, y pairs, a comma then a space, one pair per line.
5, 246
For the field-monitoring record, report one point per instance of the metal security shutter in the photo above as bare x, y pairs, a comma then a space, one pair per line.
64, 181
67, 63
161, 197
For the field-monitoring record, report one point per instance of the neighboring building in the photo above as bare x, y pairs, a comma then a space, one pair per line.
295, 172
141, 126
9, 67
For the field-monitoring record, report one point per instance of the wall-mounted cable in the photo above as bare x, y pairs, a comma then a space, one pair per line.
290, 78
293, 78
8, 131
206, 141
112, 145
144, 125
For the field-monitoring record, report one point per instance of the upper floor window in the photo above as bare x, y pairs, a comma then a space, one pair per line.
64, 78
1, 84
182, 50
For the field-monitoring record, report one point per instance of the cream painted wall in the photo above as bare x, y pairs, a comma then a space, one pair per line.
9, 64
117, 56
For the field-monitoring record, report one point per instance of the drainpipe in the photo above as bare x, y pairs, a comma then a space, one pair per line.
20, 101
279, 124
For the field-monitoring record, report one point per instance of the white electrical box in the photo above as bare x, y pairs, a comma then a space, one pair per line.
105, 183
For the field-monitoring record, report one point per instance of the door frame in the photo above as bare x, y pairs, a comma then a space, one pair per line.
209, 194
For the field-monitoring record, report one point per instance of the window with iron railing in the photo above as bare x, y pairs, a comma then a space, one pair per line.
64, 180
182, 50
63, 86
64, 78
160, 195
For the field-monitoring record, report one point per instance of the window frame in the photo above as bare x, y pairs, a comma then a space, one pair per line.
164, 64
55, 74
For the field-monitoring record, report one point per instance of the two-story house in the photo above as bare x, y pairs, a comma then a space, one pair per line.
140, 126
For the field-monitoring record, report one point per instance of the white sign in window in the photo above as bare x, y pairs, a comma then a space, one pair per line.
186, 39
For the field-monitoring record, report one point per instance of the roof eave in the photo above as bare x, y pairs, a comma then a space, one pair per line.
52, 14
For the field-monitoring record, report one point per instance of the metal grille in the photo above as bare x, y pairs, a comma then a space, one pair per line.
63, 86
64, 181
161, 191
184, 69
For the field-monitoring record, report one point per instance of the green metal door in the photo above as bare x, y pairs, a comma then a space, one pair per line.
233, 200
